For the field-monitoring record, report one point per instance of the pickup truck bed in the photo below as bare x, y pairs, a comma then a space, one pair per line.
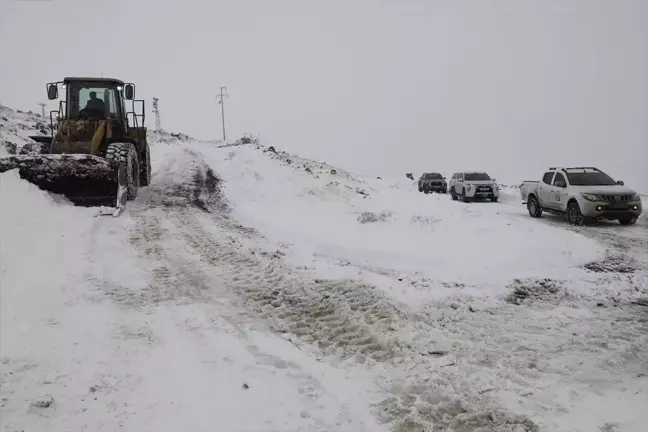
526, 187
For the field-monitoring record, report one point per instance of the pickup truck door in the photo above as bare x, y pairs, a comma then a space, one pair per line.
558, 196
545, 189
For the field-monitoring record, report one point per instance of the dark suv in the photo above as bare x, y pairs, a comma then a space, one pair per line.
432, 182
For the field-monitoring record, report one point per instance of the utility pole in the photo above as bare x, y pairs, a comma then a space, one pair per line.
156, 111
42, 105
221, 101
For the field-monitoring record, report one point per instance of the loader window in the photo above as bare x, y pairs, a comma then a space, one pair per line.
111, 103
98, 102
91, 98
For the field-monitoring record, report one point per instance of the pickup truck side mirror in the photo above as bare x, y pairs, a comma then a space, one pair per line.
620, 182
494, 179
561, 184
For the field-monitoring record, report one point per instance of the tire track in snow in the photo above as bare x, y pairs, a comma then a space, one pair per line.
340, 317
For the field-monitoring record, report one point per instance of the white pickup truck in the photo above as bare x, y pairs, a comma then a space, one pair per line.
581, 193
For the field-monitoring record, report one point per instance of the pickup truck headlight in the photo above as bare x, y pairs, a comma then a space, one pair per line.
635, 197
591, 197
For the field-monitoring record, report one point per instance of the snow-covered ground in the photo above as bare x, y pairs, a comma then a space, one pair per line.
248, 290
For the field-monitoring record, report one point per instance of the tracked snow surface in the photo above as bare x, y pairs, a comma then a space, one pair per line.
250, 290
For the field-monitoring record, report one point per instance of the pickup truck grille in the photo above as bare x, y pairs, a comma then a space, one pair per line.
616, 198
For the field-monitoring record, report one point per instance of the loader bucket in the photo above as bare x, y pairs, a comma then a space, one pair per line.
85, 180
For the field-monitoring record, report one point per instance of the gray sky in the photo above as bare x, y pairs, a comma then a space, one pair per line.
380, 87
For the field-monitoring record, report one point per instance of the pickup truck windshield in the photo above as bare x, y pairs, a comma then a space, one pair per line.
590, 179
433, 176
476, 176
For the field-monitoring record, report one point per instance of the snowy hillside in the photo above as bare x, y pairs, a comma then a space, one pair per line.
17, 126
253, 290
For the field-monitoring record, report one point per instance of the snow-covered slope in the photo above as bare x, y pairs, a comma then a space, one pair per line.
259, 291
17, 126
386, 226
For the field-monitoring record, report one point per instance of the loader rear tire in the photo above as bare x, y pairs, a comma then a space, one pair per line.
126, 154
145, 169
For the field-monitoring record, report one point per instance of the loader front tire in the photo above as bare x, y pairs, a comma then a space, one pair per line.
125, 153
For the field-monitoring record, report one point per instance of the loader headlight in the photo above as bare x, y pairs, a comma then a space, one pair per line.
591, 197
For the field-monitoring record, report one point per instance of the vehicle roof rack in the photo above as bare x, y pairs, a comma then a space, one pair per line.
583, 168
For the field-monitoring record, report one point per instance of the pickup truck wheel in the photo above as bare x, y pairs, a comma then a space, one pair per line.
627, 221
534, 208
420, 189
494, 198
574, 214
453, 194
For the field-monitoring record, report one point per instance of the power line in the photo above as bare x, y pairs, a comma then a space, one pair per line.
221, 101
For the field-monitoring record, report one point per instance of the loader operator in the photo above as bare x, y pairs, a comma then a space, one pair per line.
95, 104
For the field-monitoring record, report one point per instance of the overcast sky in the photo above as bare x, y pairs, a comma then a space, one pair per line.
380, 87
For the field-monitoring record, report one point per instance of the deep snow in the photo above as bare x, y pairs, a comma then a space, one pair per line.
251, 291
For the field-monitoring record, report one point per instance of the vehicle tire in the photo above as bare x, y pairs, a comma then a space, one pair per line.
420, 189
494, 198
628, 221
145, 169
453, 194
425, 191
127, 154
534, 207
574, 214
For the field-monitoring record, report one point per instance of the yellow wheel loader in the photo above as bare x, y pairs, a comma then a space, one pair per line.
97, 154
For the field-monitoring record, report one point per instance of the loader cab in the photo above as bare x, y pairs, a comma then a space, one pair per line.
98, 99
94, 99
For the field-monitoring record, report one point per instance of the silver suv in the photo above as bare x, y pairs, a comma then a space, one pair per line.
470, 185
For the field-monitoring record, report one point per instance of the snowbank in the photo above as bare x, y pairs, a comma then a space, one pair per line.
386, 225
